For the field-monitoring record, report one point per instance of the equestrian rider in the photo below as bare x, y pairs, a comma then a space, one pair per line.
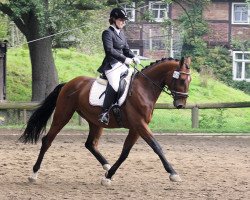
117, 59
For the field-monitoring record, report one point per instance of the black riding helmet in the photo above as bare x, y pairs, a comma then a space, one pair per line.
118, 13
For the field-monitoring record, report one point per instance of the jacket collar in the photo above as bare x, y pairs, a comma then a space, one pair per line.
115, 31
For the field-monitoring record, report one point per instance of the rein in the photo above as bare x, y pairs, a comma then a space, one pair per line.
165, 89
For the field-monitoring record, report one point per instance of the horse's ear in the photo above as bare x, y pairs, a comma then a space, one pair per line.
188, 61
182, 61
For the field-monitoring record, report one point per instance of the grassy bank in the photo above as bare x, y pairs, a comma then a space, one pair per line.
71, 63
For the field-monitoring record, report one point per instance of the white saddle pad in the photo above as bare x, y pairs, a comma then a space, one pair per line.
98, 88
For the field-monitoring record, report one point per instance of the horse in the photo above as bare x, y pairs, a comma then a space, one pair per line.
168, 74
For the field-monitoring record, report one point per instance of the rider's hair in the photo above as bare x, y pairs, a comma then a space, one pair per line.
111, 20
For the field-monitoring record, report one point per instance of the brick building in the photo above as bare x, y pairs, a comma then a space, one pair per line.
227, 21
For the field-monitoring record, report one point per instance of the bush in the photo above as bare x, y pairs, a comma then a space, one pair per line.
213, 119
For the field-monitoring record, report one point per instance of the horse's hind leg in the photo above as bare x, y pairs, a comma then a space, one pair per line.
128, 144
59, 121
91, 144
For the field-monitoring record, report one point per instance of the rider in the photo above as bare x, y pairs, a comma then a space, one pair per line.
118, 57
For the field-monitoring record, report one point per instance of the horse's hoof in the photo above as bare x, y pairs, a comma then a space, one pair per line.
106, 167
33, 177
174, 178
32, 180
106, 182
106, 175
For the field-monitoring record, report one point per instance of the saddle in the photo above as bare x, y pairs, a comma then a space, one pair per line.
98, 88
97, 91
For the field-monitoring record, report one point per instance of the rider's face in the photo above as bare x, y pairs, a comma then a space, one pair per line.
120, 23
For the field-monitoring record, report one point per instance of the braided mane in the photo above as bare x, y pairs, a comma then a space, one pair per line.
158, 62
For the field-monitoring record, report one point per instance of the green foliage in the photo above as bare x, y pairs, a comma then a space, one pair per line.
216, 60
3, 28
147, 16
18, 74
71, 63
193, 29
241, 85
240, 45
90, 38
234, 120
213, 119
51, 16
220, 61
214, 92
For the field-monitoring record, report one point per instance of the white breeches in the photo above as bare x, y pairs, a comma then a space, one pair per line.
113, 75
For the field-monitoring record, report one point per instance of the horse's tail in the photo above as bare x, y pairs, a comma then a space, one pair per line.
38, 120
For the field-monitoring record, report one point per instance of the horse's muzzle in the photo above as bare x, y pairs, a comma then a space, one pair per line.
179, 103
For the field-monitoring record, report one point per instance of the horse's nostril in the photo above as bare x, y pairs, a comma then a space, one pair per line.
179, 106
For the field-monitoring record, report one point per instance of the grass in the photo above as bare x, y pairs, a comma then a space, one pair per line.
71, 63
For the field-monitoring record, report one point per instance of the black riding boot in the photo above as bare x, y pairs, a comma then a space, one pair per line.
110, 98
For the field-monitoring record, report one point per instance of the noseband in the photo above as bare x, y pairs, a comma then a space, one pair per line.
176, 75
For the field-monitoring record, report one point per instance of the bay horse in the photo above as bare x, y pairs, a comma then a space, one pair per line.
137, 112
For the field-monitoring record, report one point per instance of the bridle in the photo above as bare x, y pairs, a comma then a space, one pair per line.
176, 75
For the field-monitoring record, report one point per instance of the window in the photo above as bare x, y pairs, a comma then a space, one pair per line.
240, 13
154, 44
158, 10
176, 43
130, 10
241, 65
136, 51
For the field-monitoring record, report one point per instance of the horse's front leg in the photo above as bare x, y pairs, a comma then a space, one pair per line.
91, 144
128, 144
146, 134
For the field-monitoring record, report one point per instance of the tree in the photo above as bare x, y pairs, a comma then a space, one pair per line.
37, 19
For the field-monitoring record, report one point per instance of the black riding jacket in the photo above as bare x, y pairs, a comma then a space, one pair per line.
116, 49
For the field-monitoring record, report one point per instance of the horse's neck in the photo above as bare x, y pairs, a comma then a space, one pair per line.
159, 73
156, 76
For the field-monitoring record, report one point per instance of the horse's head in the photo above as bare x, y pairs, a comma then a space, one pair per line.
179, 85
172, 73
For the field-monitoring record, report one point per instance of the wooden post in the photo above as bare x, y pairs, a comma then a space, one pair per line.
3, 52
79, 120
24, 116
195, 117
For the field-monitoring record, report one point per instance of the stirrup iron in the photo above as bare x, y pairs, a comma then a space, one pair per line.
104, 118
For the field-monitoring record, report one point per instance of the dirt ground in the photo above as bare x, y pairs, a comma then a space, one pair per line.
210, 167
